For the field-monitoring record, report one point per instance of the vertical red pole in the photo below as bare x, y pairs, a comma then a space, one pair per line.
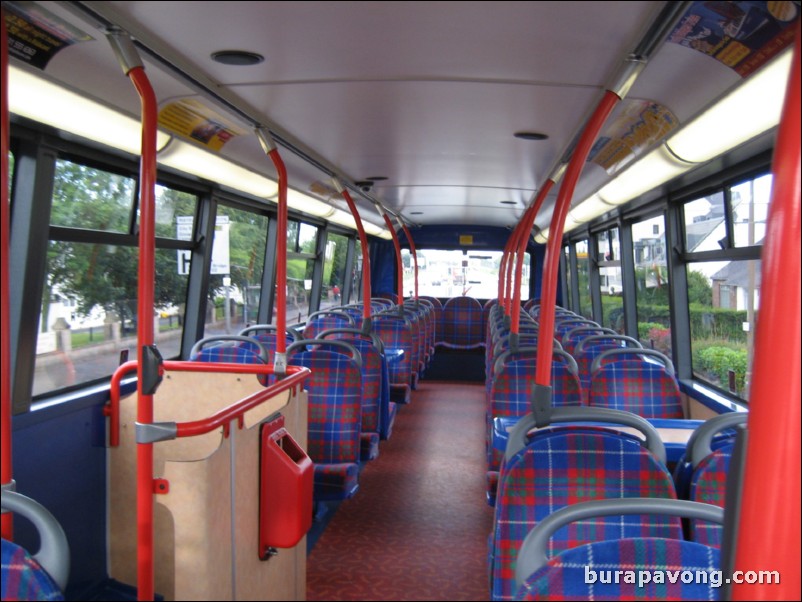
147, 254
5, 242
769, 523
551, 265
281, 261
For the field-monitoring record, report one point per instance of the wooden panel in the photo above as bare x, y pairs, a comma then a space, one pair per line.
198, 537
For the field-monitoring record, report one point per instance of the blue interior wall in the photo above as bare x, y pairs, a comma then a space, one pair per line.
59, 459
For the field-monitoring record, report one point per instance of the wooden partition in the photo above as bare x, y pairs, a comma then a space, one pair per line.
206, 524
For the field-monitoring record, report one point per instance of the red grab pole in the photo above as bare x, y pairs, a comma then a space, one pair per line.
363, 241
768, 536
399, 264
5, 240
412, 250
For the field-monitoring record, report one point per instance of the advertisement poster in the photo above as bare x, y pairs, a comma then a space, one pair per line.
637, 127
192, 119
741, 35
35, 34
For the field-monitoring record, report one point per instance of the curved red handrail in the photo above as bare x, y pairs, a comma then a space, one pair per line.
553, 248
363, 241
399, 264
6, 471
112, 409
527, 221
414, 253
768, 536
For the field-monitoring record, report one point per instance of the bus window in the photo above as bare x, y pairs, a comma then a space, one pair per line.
612, 301
238, 257
651, 280
333, 270
583, 276
724, 288
301, 248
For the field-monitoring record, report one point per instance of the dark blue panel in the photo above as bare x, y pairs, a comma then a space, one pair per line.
59, 460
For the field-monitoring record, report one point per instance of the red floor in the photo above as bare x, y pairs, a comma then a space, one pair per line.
418, 528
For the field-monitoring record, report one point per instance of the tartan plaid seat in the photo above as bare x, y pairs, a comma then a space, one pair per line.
437, 318
567, 465
397, 334
709, 485
326, 321
233, 353
511, 392
566, 576
23, 578
462, 323
638, 386
587, 350
373, 395
334, 421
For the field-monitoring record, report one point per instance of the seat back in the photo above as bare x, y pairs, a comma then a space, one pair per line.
462, 323
44, 575
326, 320
564, 465
396, 332
621, 569
587, 349
629, 379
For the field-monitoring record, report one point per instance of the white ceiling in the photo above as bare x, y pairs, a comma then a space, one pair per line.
427, 94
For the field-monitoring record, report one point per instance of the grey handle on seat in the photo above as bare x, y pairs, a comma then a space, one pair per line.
532, 553
331, 312
630, 351
353, 351
54, 551
519, 440
196, 348
377, 342
606, 337
566, 357
601, 330
699, 443
270, 328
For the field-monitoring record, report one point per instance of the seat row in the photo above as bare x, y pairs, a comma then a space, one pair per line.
565, 464
353, 373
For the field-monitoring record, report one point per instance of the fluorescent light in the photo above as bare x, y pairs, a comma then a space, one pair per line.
385, 234
371, 228
344, 219
748, 111
654, 169
542, 237
41, 100
588, 209
209, 166
307, 204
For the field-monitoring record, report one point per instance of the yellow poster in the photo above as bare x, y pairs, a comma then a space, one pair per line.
192, 119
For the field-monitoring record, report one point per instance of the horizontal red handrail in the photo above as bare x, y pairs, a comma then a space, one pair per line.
296, 375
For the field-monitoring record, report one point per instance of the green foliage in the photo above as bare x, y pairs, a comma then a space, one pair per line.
645, 327
717, 361
699, 289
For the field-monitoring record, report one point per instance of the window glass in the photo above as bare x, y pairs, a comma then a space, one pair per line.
356, 276
333, 270
651, 281
705, 226
724, 297
299, 288
750, 203
610, 282
583, 276
89, 198
175, 213
238, 258
452, 273
567, 292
